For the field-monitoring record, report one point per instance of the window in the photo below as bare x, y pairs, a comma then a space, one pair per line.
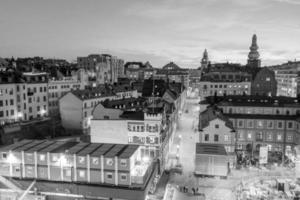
259, 124
250, 124
270, 124
85, 114
11, 102
54, 158
240, 123
123, 177
123, 162
95, 161
1, 113
289, 138
45, 98
109, 161
279, 125
42, 157
4, 155
290, 125
81, 159
269, 136
226, 138
30, 109
216, 125
81, 173
1, 103
12, 112
249, 135
109, 176
279, 137
216, 138
206, 137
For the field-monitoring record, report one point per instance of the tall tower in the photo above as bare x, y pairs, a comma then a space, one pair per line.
204, 60
253, 56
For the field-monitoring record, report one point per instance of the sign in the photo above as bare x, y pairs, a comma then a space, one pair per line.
263, 155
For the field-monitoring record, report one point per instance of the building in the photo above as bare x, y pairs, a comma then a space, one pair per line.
288, 83
24, 96
263, 120
173, 73
85, 170
253, 56
264, 83
139, 71
204, 61
102, 68
58, 88
76, 107
215, 128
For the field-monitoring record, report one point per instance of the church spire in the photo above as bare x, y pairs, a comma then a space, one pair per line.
253, 56
204, 60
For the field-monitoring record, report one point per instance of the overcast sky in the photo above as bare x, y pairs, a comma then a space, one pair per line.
158, 31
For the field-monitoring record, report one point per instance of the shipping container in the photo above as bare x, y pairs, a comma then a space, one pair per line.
4, 169
55, 173
67, 174
95, 176
42, 172
82, 175
109, 177
123, 178
211, 160
29, 171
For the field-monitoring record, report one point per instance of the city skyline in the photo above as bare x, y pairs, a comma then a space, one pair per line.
155, 31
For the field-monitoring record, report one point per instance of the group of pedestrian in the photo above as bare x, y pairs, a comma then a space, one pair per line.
185, 189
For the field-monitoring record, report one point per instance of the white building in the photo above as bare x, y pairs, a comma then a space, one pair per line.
209, 88
76, 107
23, 96
288, 83
214, 128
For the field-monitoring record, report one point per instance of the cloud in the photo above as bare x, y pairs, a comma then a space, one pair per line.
295, 2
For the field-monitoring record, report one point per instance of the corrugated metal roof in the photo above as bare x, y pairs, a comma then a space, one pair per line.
211, 149
115, 150
89, 149
29, 145
77, 147
15, 145
54, 147
102, 150
40, 146
128, 151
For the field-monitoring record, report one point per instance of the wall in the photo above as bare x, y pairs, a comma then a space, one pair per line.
109, 131
71, 111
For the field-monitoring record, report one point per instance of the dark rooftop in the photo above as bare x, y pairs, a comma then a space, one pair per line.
133, 115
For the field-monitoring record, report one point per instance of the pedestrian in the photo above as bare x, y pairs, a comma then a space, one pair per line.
194, 191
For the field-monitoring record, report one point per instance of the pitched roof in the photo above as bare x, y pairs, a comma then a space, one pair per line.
171, 65
212, 113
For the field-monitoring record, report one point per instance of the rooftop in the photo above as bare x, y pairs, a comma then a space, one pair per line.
133, 115
78, 148
211, 149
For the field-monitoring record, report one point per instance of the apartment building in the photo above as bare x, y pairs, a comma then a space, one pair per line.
261, 120
23, 96
288, 83
102, 68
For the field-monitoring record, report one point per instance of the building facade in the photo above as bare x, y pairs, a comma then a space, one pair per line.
288, 83
263, 121
264, 83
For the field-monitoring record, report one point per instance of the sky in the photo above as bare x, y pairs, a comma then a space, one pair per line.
158, 31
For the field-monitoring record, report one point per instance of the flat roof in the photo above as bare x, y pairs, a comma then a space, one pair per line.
211, 149
115, 150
